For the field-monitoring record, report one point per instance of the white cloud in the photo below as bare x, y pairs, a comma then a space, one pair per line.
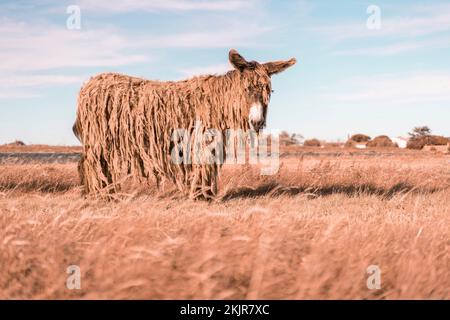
394, 89
159, 5
31, 53
214, 69
396, 27
396, 48
17, 86
38, 80
37, 53
27, 47
411, 26
16, 94
416, 28
234, 36
30, 47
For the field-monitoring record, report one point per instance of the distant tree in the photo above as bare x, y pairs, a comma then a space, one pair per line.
284, 135
288, 139
420, 132
297, 137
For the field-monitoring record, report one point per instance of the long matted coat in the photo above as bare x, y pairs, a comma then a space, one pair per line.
126, 124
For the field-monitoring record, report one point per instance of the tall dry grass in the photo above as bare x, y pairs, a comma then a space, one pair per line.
310, 231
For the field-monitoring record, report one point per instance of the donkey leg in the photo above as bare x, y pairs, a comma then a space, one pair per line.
107, 181
81, 174
94, 173
204, 184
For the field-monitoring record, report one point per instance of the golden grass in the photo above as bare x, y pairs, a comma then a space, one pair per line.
308, 232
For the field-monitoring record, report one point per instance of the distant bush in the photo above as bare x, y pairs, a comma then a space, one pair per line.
312, 143
360, 138
16, 143
416, 144
381, 142
419, 142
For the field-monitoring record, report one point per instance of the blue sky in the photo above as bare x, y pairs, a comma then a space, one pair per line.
348, 78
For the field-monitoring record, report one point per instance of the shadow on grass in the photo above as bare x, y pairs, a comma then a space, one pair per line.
273, 189
39, 187
269, 189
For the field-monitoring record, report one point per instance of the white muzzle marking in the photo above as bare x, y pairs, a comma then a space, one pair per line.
256, 116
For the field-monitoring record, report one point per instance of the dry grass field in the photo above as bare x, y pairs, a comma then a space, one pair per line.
308, 232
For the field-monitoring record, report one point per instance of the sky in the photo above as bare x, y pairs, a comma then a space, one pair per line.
373, 67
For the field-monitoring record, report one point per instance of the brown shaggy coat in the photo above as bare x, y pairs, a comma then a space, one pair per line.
126, 124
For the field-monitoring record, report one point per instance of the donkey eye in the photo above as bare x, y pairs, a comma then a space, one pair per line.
272, 91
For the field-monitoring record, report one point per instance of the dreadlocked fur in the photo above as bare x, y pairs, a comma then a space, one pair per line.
126, 124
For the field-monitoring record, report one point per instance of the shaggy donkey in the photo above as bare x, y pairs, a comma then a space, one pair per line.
126, 124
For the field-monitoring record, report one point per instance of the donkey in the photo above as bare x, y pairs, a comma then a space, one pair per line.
126, 124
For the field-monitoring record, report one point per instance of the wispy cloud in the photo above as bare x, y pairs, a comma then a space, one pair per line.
38, 80
414, 24
394, 89
16, 94
213, 69
35, 48
225, 38
30, 47
415, 28
18, 86
34, 45
160, 5
397, 48
33, 55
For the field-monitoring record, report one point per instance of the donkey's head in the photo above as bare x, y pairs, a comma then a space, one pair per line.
257, 82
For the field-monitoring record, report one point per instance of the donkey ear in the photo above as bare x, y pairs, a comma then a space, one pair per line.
279, 66
238, 61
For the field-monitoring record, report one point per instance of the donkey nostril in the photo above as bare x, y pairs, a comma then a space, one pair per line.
257, 125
